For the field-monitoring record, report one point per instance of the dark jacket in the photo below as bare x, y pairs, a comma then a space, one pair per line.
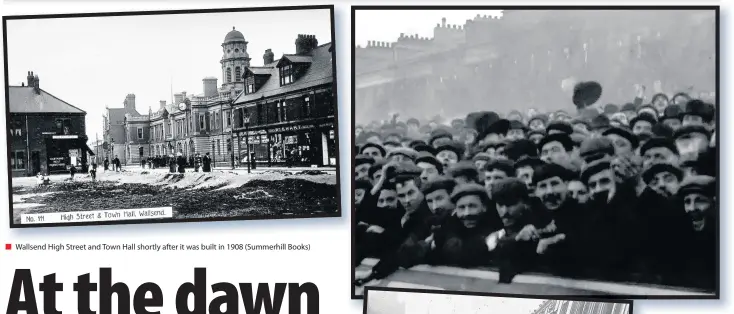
457, 245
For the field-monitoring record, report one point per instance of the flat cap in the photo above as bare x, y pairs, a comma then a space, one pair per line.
429, 158
503, 165
704, 185
625, 133
470, 189
375, 145
363, 159
691, 128
551, 170
525, 161
362, 184
453, 146
439, 183
562, 138
656, 142
595, 167
509, 191
407, 152
519, 148
463, 169
561, 126
649, 173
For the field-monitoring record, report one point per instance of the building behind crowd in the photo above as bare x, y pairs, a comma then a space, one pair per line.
504, 62
290, 101
46, 134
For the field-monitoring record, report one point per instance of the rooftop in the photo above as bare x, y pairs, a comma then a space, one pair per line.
23, 99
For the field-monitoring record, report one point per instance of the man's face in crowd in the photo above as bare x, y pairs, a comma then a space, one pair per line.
659, 155
428, 171
672, 123
660, 103
525, 174
373, 152
387, 199
515, 134
696, 206
441, 141
665, 184
691, 144
602, 186
692, 120
447, 158
469, 209
622, 146
536, 138
439, 201
552, 192
577, 191
492, 176
479, 164
359, 196
554, 152
512, 214
641, 127
410, 195
615, 123
537, 124
361, 171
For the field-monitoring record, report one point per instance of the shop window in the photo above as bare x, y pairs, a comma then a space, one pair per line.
306, 107
286, 74
17, 160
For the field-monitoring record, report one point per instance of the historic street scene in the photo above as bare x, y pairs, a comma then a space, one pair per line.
213, 115
548, 152
408, 302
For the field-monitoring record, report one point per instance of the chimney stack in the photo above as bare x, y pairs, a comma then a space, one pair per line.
129, 102
210, 87
306, 43
30, 79
268, 57
36, 86
163, 104
177, 99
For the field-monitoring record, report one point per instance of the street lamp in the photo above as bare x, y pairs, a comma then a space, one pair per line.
246, 119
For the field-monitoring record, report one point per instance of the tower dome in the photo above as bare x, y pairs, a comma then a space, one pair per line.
234, 36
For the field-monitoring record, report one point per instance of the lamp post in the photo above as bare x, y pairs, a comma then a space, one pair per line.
246, 119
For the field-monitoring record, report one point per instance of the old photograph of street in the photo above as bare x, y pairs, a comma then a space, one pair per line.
173, 116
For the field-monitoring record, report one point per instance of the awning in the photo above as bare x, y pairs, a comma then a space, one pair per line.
89, 150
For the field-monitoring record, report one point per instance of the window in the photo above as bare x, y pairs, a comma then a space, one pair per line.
63, 126
217, 119
219, 147
237, 74
229, 118
17, 128
285, 111
249, 84
17, 160
140, 133
286, 74
280, 113
306, 107
229, 75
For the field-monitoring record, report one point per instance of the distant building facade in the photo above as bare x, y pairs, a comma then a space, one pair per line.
290, 102
45, 133
581, 307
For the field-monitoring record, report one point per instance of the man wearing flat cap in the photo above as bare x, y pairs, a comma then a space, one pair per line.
525, 168
401, 154
692, 140
496, 170
659, 150
698, 112
480, 159
642, 124
440, 137
373, 150
430, 167
623, 140
517, 130
538, 122
449, 153
362, 166
460, 241
536, 135
557, 148
559, 127
672, 116
464, 172
698, 194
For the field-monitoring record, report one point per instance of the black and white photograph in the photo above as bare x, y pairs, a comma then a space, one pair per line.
416, 301
171, 116
558, 151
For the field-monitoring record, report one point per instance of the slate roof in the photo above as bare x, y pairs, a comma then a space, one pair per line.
319, 72
23, 99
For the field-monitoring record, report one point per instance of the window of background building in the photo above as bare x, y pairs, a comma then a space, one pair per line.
229, 75
306, 107
237, 74
249, 84
17, 160
229, 118
219, 147
286, 74
280, 113
140, 133
17, 128
217, 119
202, 123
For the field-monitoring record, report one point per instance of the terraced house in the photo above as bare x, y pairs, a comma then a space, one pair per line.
283, 108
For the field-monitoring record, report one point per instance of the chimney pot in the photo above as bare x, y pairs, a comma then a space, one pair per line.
443, 21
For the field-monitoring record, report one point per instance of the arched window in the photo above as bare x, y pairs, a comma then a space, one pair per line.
229, 75
237, 74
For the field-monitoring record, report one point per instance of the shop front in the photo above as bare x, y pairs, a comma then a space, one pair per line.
302, 145
63, 151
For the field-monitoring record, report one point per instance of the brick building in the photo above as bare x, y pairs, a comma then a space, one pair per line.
45, 133
503, 63
294, 95
115, 132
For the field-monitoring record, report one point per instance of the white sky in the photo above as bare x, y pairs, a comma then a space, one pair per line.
96, 61
386, 25
389, 302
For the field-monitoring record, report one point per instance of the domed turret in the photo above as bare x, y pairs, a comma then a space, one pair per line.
234, 36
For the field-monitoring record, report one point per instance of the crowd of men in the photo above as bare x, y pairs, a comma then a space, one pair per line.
619, 193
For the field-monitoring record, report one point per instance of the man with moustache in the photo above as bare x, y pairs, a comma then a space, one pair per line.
460, 241
609, 240
557, 148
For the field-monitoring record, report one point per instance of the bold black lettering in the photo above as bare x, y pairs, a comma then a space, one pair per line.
22, 281
106, 289
83, 288
49, 286
294, 298
198, 289
140, 302
229, 299
263, 296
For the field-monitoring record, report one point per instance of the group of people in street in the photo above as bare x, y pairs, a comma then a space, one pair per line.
617, 192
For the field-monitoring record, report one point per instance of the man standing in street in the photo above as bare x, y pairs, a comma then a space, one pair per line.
207, 161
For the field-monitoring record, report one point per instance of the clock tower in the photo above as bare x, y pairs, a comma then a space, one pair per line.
234, 60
